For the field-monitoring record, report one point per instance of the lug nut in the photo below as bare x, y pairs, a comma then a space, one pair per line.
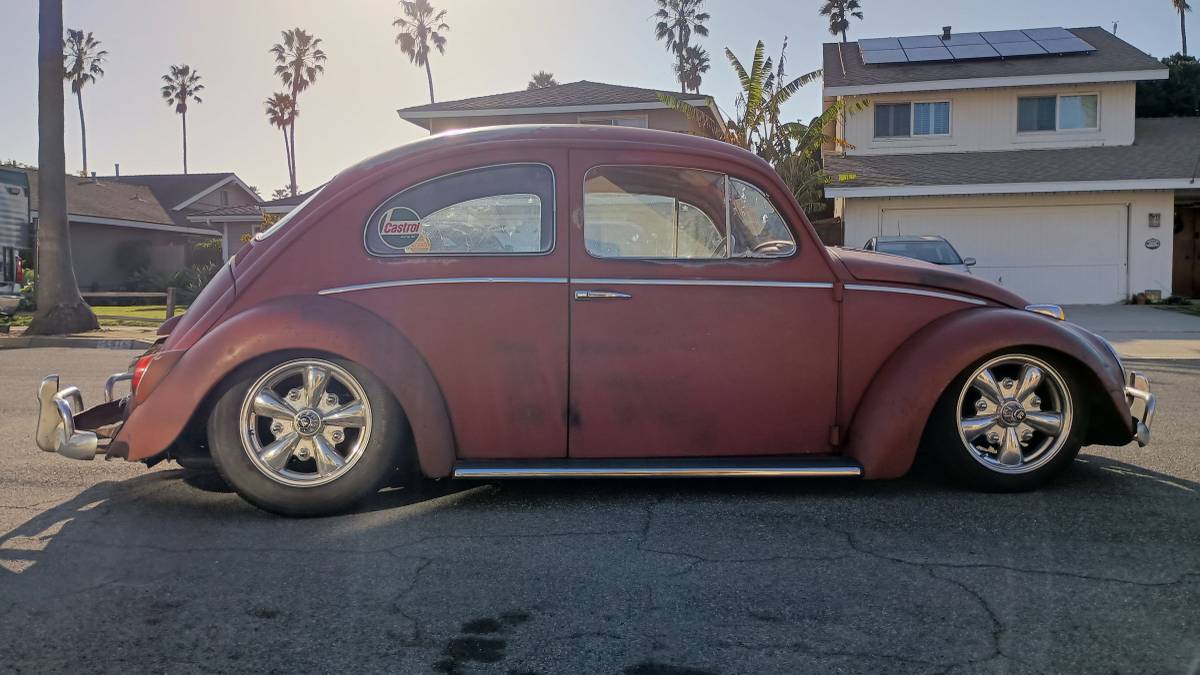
277, 428
1008, 383
981, 405
294, 395
993, 438
1026, 436
337, 435
302, 454
331, 399
1036, 402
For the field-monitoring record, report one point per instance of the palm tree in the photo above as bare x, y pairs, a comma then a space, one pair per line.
1182, 7
282, 112
180, 87
839, 13
421, 27
541, 79
298, 60
677, 20
695, 64
60, 309
83, 60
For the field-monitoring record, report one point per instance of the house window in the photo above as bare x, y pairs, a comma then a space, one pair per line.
638, 121
224, 198
1058, 113
903, 120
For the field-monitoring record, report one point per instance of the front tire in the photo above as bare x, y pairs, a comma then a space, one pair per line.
1009, 423
305, 437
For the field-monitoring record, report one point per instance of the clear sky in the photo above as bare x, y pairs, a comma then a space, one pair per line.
494, 45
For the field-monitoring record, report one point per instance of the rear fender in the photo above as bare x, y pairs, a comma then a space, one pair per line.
294, 324
887, 427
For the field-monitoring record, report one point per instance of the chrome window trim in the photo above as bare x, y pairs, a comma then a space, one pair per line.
441, 280
419, 256
703, 282
915, 291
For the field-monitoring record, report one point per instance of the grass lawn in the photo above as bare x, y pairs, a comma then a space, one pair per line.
118, 315
1192, 308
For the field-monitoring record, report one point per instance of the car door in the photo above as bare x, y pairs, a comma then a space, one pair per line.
702, 323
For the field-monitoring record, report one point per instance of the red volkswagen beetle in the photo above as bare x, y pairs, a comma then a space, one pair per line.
565, 301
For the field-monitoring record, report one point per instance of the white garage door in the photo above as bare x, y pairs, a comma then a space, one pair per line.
1055, 254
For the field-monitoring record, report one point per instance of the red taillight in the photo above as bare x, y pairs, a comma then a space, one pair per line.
139, 371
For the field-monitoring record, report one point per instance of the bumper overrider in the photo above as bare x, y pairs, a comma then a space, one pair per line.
1141, 406
66, 427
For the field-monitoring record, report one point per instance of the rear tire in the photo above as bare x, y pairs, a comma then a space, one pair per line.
307, 436
1009, 423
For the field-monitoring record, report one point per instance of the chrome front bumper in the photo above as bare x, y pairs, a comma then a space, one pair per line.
58, 414
1141, 405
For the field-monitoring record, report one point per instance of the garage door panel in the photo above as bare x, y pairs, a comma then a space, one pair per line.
1061, 254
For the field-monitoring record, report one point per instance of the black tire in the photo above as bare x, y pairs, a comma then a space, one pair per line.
380, 458
952, 456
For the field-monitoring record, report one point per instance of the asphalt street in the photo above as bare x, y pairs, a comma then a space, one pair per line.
107, 566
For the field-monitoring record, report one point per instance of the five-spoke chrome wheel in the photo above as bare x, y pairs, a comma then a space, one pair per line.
1014, 414
305, 423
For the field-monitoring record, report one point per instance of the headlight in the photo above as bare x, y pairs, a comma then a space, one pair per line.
1052, 311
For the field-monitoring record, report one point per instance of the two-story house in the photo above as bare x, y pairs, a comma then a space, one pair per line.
1023, 149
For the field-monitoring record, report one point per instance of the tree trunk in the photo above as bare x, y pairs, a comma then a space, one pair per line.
60, 308
429, 75
1183, 31
843, 35
82, 129
287, 151
184, 116
292, 129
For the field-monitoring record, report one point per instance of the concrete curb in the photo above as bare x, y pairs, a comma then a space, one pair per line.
42, 342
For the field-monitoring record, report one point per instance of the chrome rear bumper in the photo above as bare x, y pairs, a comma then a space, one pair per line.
58, 414
1141, 405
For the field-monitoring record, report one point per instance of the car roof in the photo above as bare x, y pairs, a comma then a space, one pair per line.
911, 238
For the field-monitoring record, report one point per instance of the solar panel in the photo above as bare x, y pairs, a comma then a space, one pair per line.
920, 41
921, 54
964, 52
996, 37
878, 44
1019, 49
1071, 45
1039, 34
964, 39
884, 56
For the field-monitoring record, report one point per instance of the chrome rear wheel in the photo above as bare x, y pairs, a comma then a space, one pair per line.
1014, 414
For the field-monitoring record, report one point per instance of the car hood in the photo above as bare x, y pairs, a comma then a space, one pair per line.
881, 267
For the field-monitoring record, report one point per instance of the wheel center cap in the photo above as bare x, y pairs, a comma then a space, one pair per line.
308, 422
1012, 413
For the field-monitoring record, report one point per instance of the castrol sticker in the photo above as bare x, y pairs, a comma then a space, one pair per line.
400, 227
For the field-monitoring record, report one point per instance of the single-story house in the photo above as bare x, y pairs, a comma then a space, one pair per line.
237, 223
580, 102
1022, 147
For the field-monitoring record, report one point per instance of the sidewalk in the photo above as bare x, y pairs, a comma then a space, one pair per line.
115, 337
1141, 331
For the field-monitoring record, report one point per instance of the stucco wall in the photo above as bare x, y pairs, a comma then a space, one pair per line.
986, 119
667, 120
1147, 269
94, 250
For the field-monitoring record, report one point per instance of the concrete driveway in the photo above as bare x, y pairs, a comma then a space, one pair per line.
107, 566
1141, 331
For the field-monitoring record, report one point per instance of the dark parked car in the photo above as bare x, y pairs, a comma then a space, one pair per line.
591, 301
929, 248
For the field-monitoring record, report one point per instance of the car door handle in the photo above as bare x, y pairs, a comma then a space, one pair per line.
601, 295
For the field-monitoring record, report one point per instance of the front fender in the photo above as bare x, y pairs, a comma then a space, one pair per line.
304, 324
887, 427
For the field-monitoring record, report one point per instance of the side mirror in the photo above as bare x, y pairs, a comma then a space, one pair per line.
969, 262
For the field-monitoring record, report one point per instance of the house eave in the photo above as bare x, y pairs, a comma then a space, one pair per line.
505, 112
1010, 188
997, 82
219, 184
136, 224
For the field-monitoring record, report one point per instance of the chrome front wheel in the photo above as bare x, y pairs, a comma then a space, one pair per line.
1014, 414
305, 423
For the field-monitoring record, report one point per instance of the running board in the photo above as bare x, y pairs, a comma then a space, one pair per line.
712, 467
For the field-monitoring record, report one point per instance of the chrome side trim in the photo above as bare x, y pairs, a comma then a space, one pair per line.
718, 471
443, 280
704, 282
915, 291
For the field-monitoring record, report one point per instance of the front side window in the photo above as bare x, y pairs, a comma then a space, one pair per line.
497, 210
653, 212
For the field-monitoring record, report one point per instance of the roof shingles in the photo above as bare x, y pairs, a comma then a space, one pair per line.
582, 93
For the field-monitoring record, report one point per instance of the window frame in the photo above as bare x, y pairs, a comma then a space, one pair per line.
729, 239
421, 256
1058, 127
912, 120
597, 118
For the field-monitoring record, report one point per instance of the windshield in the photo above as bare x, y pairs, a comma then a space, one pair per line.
288, 216
936, 252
